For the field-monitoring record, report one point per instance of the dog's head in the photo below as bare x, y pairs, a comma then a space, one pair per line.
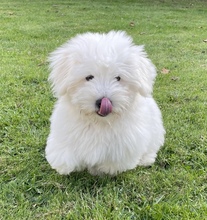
101, 73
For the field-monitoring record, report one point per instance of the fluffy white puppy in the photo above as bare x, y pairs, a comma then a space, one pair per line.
105, 119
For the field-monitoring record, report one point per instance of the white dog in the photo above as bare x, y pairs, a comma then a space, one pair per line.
105, 119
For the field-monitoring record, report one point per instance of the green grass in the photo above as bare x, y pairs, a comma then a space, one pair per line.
176, 186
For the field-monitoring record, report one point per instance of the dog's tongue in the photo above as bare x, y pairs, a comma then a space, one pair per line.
105, 108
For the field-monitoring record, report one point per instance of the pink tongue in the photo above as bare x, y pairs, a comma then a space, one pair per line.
105, 108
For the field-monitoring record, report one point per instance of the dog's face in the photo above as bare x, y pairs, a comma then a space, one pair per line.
101, 88
101, 73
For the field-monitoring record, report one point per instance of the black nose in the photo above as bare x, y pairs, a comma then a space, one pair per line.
98, 103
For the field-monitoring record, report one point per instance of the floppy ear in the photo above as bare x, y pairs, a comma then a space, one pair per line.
145, 71
60, 66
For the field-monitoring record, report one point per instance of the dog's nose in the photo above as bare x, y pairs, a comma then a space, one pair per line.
98, 103
104, 106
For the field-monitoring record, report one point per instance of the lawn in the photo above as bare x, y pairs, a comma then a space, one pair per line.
175, 187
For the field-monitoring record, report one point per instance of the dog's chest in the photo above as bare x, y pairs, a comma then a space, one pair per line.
96, 143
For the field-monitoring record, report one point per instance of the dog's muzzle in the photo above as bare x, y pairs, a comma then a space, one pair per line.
104, 106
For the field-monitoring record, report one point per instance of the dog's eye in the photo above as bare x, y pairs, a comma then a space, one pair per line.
90, 77
118, 78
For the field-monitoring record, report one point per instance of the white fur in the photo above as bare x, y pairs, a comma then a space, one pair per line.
131, 134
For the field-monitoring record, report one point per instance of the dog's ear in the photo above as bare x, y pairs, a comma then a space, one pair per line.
145, 71
60, 67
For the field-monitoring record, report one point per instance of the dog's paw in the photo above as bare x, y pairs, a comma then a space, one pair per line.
103, 170
61, 161
95, 172
63, 170
147, 159
61, 167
